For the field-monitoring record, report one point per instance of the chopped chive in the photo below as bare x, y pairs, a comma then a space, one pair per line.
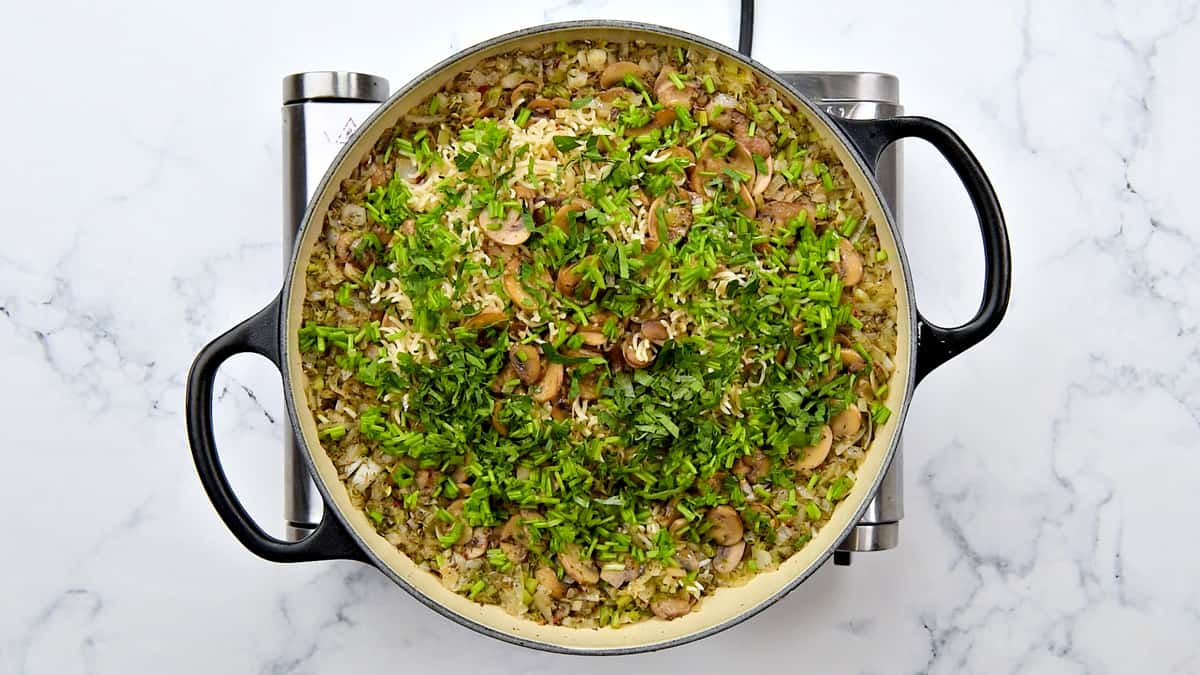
522, 117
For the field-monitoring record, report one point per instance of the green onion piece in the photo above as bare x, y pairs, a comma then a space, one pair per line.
827, 181
880, 413
677, 80
450, 538
334, 433
813, 511
708, 84
523, 117
433, 104
822, 211
376, 516
777, 115
580, 102
880, 255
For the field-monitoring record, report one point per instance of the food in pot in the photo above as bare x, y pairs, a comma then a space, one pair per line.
598, 329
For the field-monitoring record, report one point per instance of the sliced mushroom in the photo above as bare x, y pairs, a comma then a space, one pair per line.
670, 95
548, 580
728, 117
718, 153
847, 422
670, 607
497, 423
562, 216
764, 177
725, 525
777, 213
522, 92
526, 362
753, 466
618, 578
745, 201
581, 569
727, 558
514, 540
615, 73
637, 351
676, 210
593, 338
661, 119
545, 105
850, 265
814, 455
510, 232
612, 94
655, 331
485, 319
513, 287
547, 388
852, 360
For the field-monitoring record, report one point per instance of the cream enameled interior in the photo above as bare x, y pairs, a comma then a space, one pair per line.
726, 603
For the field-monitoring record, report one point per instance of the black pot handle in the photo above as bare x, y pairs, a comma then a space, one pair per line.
259, 335
935, 344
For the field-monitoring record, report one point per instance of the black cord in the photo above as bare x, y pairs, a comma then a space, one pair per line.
746, 31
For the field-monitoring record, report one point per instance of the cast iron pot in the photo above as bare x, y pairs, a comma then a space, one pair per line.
345, 532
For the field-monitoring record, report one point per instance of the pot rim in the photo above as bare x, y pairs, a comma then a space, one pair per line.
650, 31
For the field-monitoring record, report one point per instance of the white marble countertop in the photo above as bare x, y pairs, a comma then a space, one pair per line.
1049, 471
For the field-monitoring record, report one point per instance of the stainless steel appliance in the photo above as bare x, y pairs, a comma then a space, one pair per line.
321, 111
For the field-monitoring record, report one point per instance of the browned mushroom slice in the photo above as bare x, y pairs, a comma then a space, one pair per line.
637, 351
514, 540
745, 201
498, 424
655, 331
850, 265
764, 177
677, 213
727, 558
522, 92
725, 525
777, 213
593, 338
526, 362
513, 286
610, 95
753, 466
548, 580
581, 569
510, 232
547, 388
718, 153
570, 281
485, 319
477, 544
847, 422
563, 216
670, 607
619, 577
723, 113
814, 455
668, 94
852, 360
546, 105
615, 73
661, 119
